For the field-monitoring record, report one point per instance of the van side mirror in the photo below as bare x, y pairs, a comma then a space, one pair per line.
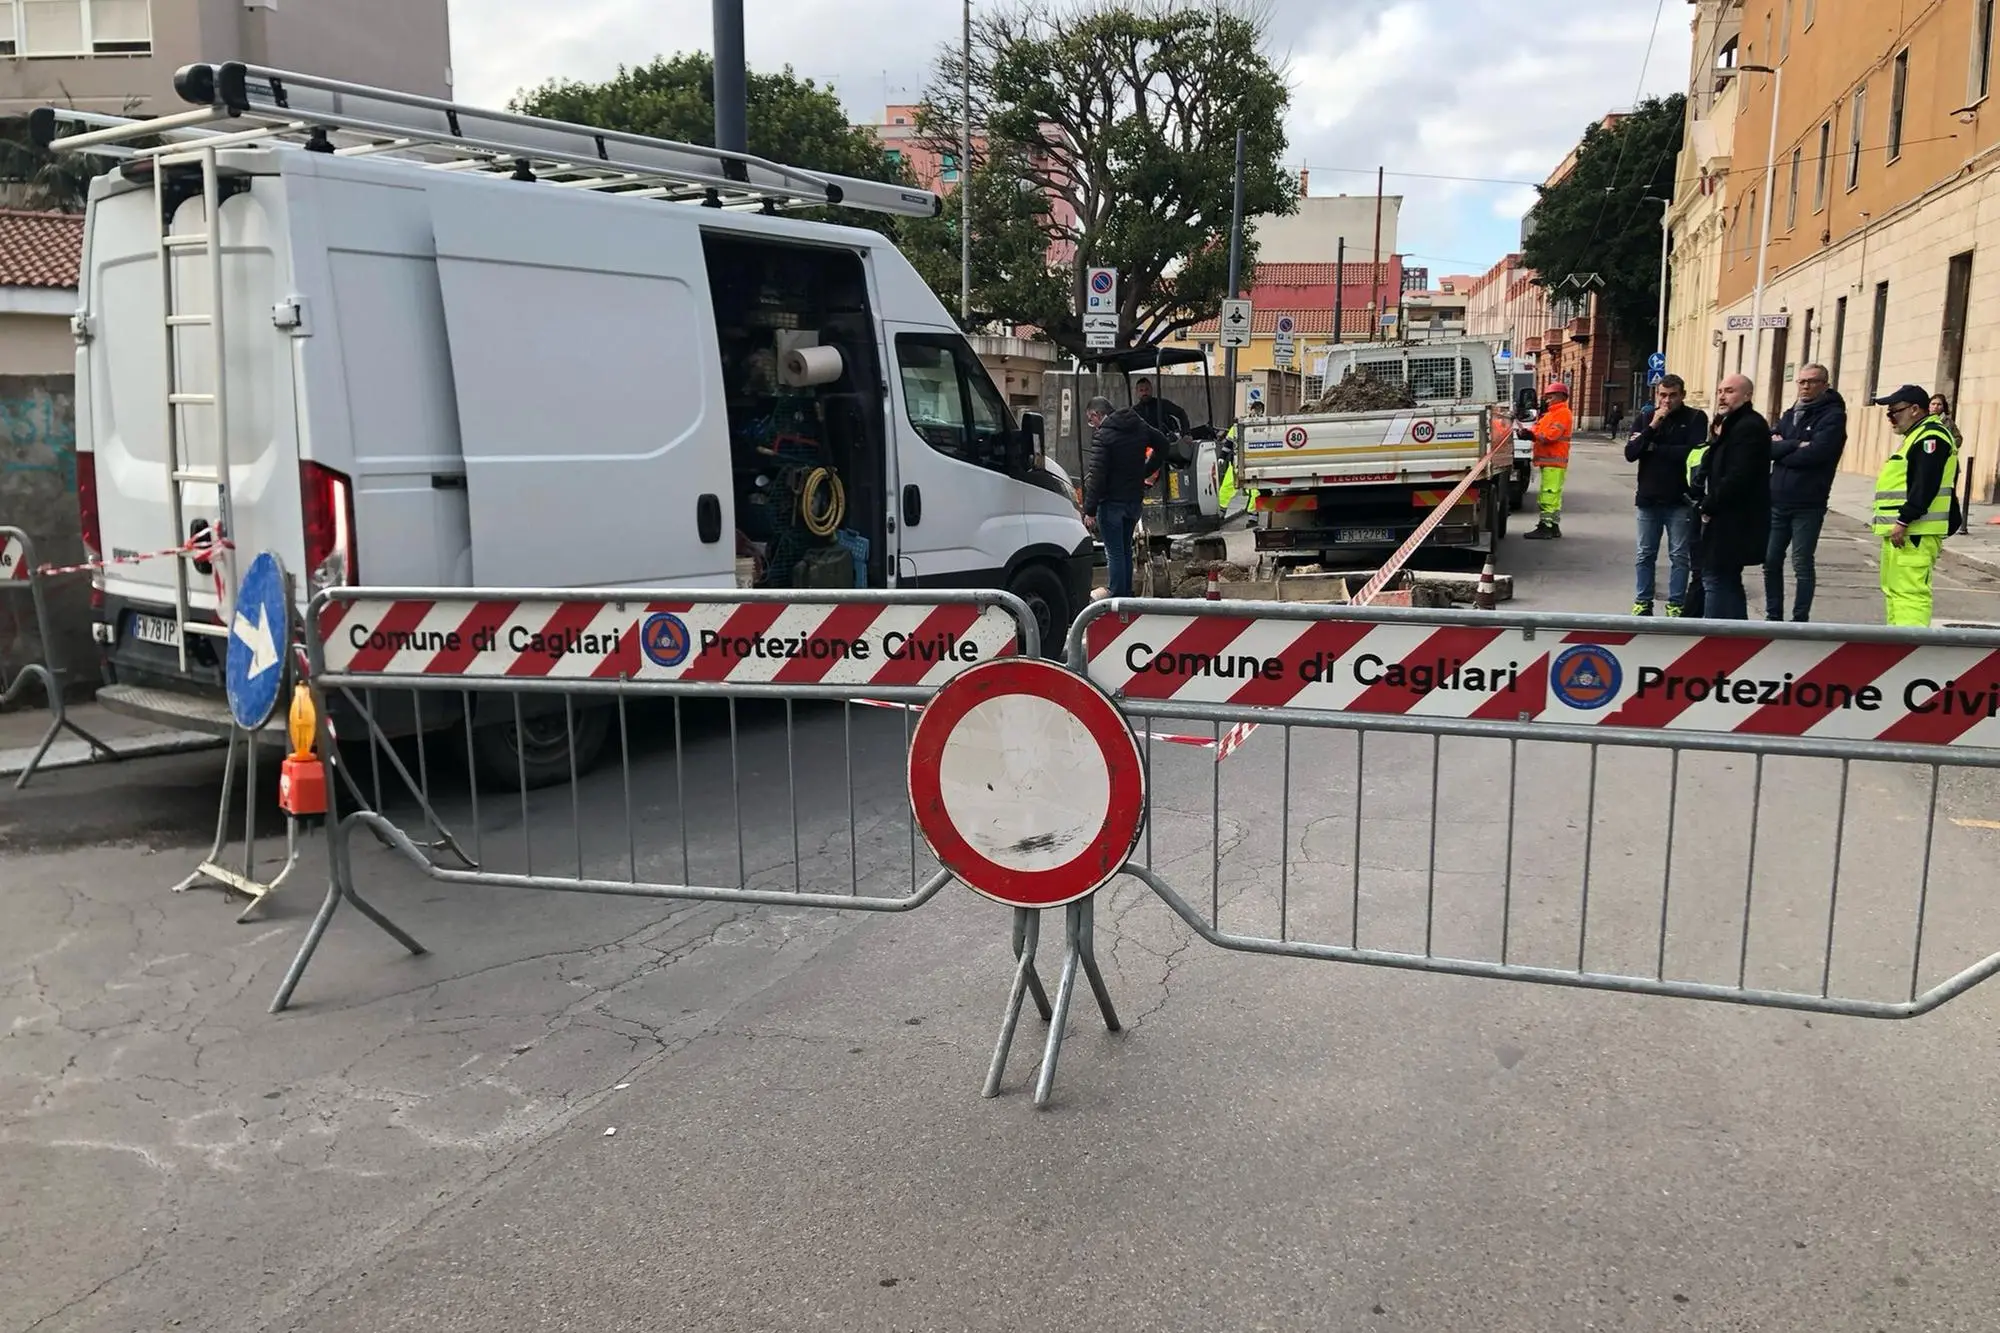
1030, 440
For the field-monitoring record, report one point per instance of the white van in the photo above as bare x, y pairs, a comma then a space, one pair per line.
491, 356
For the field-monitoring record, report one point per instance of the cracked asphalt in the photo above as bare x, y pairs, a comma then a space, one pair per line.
607, 1113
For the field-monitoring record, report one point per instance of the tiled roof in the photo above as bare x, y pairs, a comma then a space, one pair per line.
1305, 323
1316, 275
40, 249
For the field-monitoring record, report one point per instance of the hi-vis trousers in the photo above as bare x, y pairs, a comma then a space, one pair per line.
1906, 578
1551, 495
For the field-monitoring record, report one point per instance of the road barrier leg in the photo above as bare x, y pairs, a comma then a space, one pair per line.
59, 720
18, 570
1027, 934
1080, 947
340, 884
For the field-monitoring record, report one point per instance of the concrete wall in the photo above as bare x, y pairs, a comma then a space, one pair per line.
404, 44
36, 344
38, 494
1312, 235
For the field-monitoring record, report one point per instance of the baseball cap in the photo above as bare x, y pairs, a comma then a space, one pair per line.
1909, 393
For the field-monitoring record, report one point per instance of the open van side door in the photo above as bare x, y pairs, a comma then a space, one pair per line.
584, 356
960, 506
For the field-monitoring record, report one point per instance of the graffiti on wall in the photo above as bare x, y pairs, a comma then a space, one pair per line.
38, 436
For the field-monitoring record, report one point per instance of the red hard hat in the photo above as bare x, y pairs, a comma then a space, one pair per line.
1557, 387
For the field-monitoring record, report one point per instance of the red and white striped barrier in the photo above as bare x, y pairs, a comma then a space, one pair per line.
1233, 739
1686, 682
739, 642
13, 559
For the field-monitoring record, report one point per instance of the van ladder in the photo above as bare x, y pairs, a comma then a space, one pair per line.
183, 470
252, 106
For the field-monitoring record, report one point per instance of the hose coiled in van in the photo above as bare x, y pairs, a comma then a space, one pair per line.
822, 520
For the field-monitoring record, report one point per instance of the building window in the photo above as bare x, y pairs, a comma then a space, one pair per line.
1897, 89
75, 27
1875, 339
895, 156
1805, 339
1857, 122
1839, 341
1792, 196
1980, 81
1812, 12
1785, 35
1825, 156
948, 166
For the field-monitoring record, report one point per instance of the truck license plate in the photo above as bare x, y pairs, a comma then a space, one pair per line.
1359, 535
156, 629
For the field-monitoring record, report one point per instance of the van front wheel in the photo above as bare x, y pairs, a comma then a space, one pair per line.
536, 752
1048, 601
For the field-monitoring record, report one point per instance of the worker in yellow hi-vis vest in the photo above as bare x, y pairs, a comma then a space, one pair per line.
1913, 504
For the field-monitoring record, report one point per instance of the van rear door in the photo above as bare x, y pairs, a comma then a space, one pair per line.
122, 412
584, 356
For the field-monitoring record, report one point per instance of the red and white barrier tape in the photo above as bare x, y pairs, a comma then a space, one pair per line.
201, 546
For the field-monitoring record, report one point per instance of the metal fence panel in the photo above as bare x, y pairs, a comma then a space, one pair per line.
1776, 836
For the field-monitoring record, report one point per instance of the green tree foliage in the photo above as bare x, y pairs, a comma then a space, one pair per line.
1111, 139
1596, 220
791, 120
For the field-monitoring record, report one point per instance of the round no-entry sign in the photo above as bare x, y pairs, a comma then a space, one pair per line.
1027, 783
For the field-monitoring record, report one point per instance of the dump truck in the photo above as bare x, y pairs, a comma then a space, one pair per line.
1338, 485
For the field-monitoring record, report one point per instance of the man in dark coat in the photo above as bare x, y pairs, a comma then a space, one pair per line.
1125, 453
1805, 453
1736, 502
1666, 430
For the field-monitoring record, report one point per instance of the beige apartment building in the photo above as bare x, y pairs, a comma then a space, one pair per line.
1699, 216
1885, 216
119, 56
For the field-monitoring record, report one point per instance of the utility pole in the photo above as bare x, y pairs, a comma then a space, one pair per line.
1235, 271
732, 133
1339, 287
965, 178
1666, 207
1375, 279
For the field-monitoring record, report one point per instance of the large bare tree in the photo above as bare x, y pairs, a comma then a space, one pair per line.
1109, 139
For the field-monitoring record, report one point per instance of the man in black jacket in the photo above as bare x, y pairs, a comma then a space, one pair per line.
1125, 454
1736, 503
1805, 453
1666, 430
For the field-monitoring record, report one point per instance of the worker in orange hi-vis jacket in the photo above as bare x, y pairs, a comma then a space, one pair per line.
1552, 432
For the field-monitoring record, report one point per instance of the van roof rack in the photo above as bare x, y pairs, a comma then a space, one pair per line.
239, 105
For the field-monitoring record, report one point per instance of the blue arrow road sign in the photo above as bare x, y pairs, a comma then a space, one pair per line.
259, 638
1657, 363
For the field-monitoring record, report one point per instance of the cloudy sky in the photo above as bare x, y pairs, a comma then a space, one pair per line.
1426, 88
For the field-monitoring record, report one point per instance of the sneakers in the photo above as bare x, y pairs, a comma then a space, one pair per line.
1673, 610
1544, 532
1643, 609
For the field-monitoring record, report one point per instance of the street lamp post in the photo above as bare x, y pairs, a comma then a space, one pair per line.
1770, 185
1666, 205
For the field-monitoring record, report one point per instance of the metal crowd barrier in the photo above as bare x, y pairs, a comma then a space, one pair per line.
1398, 749
828, 677
21, 575
1749, 813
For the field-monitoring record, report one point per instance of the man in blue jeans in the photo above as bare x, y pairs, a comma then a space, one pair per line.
1125, 455
1805, 453
1667, 429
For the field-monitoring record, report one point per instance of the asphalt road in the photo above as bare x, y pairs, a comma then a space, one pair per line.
799, 1142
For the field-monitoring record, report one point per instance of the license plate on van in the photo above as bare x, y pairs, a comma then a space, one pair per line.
1359, 535
156, 629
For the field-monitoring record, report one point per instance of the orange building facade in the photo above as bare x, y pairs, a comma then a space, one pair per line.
1884, 210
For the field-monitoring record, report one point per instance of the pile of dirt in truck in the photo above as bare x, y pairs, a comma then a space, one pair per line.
1358, 391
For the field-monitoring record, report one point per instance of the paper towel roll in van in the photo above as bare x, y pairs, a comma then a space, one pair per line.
812, 365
